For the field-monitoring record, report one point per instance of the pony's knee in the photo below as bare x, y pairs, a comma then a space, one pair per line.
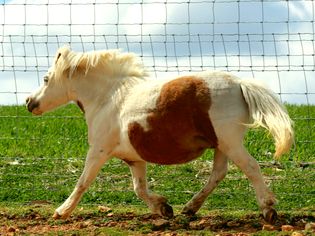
221, 173
250, 167
244, 160
81, 187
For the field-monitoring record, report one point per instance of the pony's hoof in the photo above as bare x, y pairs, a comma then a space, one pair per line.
270, 215
57, 216
167, 210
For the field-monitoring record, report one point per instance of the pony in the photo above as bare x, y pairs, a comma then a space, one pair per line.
164, 121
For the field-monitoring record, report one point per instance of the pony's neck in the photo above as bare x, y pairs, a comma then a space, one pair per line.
102, 77
94, 96
95, 93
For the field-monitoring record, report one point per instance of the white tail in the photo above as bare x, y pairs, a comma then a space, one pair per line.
267, 111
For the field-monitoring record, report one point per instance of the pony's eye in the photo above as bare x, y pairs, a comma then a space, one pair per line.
46, 79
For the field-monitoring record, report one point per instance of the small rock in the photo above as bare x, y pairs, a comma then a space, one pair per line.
198, 225
202, 222
81, 225
310, 226
104, 209
233, 224
88, 222
11, 229
169, 234
111, 224
110, 214
268, 227
160, 224
287, 228
295, 233
85, 224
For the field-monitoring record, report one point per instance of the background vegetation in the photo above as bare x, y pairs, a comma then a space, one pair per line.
41, 158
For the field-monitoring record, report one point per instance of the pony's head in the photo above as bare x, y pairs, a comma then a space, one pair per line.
55, 90
65, 80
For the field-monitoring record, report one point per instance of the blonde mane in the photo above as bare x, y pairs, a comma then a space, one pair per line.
112, 63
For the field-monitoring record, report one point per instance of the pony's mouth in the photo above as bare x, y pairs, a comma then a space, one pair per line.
36, 111
33, 106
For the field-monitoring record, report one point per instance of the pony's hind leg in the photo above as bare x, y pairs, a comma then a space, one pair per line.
219, 171
155, 202
251, 169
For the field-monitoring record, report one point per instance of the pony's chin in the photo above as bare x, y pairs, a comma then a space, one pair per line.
37, 112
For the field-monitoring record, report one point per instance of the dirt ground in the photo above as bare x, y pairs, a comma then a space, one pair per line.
104, 221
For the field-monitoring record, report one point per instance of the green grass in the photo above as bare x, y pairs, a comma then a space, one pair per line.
41, 158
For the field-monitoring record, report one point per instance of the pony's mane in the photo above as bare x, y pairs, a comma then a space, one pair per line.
113, 63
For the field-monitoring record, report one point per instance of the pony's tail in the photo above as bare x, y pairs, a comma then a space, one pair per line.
266, 110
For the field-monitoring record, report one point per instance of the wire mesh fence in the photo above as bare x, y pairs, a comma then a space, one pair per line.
270, 40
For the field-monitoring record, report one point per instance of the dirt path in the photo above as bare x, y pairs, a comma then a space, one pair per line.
111, 223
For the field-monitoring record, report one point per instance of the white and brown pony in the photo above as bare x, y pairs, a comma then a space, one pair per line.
173, 121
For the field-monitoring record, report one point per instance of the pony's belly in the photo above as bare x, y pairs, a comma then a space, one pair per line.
174, 156
167, 147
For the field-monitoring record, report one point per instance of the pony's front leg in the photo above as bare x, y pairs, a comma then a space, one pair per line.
94, 161
157, 203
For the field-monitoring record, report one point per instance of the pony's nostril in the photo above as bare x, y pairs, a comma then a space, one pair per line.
31, 104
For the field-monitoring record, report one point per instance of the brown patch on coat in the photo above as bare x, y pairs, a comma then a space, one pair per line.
179, 126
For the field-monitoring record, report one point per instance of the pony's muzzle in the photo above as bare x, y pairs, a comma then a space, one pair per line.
31, 104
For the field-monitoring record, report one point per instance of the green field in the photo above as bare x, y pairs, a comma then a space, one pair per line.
41, 159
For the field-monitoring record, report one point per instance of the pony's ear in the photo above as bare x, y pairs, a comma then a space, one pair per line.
61, 61
69, 62
62, 52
